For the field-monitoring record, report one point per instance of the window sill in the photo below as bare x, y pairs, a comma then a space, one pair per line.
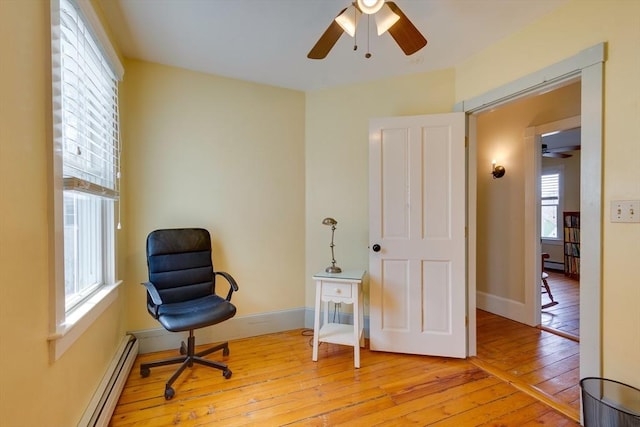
556, 242
79, 320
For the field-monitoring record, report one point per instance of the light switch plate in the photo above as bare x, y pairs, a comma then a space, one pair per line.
625, 211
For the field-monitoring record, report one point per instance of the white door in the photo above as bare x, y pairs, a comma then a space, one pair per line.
417, 263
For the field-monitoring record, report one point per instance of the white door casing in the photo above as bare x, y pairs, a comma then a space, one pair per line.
417, 217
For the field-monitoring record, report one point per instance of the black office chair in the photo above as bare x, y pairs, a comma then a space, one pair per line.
181, 295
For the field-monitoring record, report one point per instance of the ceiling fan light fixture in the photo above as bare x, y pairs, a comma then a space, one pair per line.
348, 20
385, 19
370, 6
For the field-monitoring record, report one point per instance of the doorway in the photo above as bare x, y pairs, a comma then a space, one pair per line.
507, 207
558, 223
587, 66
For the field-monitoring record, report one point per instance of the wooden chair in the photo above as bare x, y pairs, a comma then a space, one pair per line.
545, 284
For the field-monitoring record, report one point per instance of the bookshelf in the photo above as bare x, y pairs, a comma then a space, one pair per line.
572, 244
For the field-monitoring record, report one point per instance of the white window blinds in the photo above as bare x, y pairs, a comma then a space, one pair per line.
550, 203
550, 187
87, 119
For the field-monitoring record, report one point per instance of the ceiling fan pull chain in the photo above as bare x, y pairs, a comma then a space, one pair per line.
368, 54
355, 33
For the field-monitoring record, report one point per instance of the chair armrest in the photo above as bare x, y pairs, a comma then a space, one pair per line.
153, 293
233, 286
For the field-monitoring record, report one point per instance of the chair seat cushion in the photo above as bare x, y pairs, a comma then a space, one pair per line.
194, 314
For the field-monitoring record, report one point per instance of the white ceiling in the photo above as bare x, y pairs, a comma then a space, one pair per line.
267, 41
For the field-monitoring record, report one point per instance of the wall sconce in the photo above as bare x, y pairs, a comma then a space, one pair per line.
496, 170
332, 268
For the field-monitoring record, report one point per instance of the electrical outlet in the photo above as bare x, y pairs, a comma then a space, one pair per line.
625, 211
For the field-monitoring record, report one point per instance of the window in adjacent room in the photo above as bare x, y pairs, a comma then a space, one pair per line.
86, 163
551, 204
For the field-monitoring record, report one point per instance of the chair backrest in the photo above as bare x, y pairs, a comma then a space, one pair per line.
179, 262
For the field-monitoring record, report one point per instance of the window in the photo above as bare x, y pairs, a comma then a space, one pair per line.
86, 161
550, 204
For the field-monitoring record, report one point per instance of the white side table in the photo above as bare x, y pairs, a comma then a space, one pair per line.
345, 287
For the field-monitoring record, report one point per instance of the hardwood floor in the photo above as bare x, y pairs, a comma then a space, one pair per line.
275, 383
539, 362
565, 316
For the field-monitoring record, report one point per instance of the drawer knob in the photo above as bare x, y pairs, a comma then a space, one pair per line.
338, 291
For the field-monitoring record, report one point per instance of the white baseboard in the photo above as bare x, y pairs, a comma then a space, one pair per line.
504, 307
159, 339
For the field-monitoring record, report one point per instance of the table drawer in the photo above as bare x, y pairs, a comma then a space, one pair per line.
336, 290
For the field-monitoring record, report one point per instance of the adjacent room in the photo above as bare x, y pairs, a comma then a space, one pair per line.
421, 213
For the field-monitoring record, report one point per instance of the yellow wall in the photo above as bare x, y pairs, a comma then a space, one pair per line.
222, 154
274, 166
33, 390
563, 33
337, 160
501, 203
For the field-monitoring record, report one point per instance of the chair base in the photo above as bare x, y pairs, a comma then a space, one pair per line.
547, 290
188, 358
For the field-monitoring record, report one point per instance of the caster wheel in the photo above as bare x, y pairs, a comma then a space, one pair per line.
225, 351
183, 348
227, 373
169, 393
144, 372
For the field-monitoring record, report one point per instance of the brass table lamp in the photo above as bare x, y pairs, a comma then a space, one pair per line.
332, 268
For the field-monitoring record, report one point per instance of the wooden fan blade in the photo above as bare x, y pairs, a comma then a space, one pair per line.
556, 155
326, 41
563, 149
405, 33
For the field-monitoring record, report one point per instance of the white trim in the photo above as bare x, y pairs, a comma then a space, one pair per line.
544, 80
66, 327
532, 249
531, 226
588, 66
511, 309
159, 339
591, 136
472, 236
79, 320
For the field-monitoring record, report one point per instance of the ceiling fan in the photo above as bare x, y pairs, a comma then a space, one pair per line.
388, 17
559, 152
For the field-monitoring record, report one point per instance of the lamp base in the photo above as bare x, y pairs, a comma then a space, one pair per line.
333, 269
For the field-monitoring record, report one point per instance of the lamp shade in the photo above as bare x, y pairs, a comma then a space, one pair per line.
329, 221
370, 6
348, 20
385, 19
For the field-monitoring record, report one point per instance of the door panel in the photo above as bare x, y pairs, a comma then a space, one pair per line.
417, 216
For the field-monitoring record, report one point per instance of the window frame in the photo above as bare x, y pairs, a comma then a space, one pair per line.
66, 326
550, 170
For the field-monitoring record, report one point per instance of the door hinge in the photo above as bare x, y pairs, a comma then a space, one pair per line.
466, 320
466, 231
466, 142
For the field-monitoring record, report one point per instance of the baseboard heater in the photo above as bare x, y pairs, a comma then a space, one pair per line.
104, 401
554, 265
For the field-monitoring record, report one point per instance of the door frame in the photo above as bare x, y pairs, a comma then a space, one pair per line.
533, 249
588, 66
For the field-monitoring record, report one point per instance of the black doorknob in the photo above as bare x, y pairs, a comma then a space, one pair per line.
376, 248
